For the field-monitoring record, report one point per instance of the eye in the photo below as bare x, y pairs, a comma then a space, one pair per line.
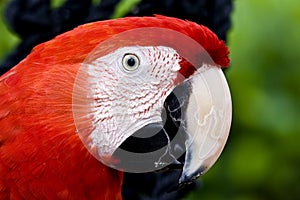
130, 62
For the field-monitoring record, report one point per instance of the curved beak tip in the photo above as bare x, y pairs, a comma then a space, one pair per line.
207, 122
187, 179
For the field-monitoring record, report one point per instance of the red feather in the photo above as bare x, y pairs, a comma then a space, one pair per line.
41, 156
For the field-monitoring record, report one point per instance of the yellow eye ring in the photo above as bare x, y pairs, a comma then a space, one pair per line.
130, 62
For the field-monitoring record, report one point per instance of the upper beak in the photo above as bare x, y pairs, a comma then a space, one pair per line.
207, 121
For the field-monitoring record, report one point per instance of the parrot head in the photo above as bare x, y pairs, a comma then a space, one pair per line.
152, 96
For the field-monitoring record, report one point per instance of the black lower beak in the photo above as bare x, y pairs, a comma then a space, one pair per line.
156, 146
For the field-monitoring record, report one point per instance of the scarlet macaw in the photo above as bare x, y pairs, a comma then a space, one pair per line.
73, 113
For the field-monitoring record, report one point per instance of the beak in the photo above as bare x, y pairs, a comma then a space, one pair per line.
193, 133
207, 121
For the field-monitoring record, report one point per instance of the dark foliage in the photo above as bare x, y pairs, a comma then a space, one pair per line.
35, 22
213, 13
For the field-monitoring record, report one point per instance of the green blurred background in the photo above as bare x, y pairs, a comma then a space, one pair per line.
262, 157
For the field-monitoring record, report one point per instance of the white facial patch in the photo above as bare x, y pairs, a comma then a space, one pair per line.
123, 101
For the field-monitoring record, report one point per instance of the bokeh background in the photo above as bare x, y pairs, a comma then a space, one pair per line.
262, 157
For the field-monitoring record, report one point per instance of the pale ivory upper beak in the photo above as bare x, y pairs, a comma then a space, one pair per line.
207, 121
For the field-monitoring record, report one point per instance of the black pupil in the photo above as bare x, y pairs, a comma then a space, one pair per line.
131, 62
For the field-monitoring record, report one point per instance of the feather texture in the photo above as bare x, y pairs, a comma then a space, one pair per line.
41, 156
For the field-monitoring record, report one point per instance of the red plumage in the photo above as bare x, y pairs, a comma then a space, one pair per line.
41, 156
